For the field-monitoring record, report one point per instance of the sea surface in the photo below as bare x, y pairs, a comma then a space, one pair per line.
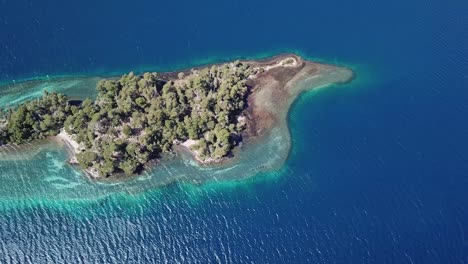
377, 173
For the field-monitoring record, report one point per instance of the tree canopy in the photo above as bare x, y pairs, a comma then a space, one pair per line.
139, 117
36, 119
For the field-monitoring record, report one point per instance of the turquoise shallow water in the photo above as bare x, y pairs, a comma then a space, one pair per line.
377, 171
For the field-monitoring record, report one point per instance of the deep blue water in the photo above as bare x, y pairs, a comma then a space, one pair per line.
379, 168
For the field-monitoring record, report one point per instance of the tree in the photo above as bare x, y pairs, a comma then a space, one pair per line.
86, 159
127, 130
129, 166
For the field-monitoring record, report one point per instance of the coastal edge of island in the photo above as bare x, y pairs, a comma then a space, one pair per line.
273, 86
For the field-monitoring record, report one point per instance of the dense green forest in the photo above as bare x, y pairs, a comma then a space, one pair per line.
36, 119
137, 118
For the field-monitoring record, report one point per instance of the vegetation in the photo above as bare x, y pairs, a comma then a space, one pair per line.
137, 118
36, 119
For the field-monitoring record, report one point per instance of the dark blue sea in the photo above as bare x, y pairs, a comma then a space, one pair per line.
378, 171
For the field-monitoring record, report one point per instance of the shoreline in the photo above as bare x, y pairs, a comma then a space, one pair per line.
273, 89
72, 148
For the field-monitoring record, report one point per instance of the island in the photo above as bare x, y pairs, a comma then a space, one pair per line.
136, 119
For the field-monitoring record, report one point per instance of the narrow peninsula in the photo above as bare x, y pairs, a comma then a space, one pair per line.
135, 119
